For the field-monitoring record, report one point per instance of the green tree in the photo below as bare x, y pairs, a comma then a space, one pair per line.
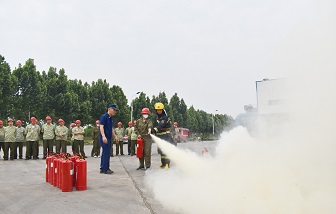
71, 106
183, 112
119, 98
84, 107
29, 94
7, 89
100, 96
175, 106
192, 121
25, 93
56, 86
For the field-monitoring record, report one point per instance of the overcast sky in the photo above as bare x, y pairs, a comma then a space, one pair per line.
209, 52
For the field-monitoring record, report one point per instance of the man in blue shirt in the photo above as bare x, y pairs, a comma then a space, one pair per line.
105, 137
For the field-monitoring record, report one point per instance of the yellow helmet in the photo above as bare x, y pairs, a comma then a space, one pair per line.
158, 106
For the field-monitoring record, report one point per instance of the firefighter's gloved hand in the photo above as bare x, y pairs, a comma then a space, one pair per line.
154, 130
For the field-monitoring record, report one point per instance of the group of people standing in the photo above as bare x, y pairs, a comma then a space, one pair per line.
103, 134
12, 138
143, 128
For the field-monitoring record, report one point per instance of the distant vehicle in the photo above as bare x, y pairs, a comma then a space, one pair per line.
183, 135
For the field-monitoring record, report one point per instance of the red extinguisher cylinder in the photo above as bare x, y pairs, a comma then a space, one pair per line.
47, 168
73, 159
66, 177
140, 147
51, 170
59, 172
55, 177
81, 174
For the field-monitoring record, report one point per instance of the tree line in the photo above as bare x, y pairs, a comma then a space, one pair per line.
26, 92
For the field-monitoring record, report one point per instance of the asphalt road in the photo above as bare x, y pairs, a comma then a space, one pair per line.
23, 188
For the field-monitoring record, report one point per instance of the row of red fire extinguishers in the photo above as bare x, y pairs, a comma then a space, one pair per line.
66, 171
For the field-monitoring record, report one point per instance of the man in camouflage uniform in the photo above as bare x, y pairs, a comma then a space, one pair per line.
95, 137
61, 133
33, 131
119, 131
162, 130
10, 137
2, 137
143, 129
48, 131
20, 135
78, 144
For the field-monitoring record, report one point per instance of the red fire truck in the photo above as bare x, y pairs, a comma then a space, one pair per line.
183, 135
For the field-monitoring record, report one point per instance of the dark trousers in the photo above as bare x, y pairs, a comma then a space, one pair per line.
95, 148
36, 149
129, 147
48, 146
147, 152
60, 144
120, 146
78, 145
105, 157
164, 159
29, 145
19, 145
12, 147
133, 143
32, 148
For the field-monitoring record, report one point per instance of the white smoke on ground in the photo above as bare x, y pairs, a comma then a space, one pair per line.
293, 173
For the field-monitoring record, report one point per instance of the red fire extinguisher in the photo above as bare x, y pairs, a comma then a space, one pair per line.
56, 171
67, 174
51, 170
73, 159
81, 171
48, 159
140, 147
59, 173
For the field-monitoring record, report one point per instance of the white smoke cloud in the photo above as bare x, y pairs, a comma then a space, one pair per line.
292, 173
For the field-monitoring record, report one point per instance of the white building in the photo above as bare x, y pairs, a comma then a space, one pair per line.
271, 106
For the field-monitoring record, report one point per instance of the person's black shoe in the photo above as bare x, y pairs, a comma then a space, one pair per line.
122, 154
101, 171
43, 158
147, 167
85, 157
108, 172
20, 157
140, 167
